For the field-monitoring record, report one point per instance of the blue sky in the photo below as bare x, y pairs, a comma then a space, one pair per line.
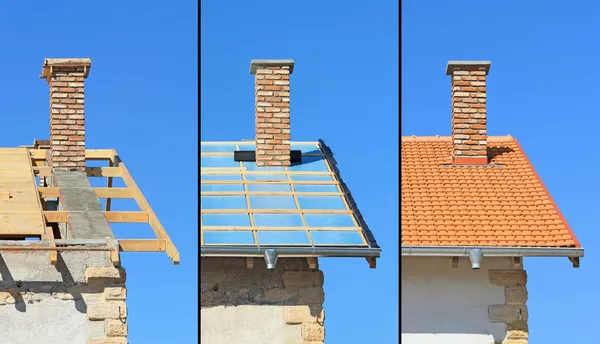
344, 90
542, 89
141, 99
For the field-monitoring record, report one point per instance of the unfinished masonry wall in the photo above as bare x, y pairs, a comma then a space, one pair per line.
445, 304
259, 306
81, 300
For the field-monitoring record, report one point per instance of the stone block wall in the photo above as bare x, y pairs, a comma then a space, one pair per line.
242, 305
81, 300
514, 310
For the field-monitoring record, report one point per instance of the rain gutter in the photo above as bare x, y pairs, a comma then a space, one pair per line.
270, 254
233, 251
476, 254
451, 251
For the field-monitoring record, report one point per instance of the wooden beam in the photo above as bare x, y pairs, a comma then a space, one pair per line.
103, 171
37, 154
279, 181
52, 192
275, 211
114, 253
236, 170
268, 193
516, 261
49, 235
33, 187
145, 206
575, 261
454, 261
46, 171
98, 154
109, 183
312, 263
372, 262
111, 192
53, 254
250, 263
90, 154
283, 229
111, 216
142, 245
127, 216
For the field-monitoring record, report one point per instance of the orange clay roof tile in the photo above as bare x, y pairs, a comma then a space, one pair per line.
504, 203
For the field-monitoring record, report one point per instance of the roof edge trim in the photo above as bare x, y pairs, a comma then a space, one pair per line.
234, 251
457, 251
556, 208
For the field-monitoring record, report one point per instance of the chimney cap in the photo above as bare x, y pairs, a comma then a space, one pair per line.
465, 65
65, 62
255, 64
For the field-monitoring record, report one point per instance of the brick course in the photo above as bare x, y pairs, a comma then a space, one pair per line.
469, 116
67, 121
272, 91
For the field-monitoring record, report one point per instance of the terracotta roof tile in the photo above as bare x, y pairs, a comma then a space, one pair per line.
500, 204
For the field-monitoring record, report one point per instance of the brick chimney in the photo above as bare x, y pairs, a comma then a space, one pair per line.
65, 77
469, 127
272, 90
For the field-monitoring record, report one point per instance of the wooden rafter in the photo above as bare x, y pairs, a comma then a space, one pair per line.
111, 216
46, 171
110, 192
145, 206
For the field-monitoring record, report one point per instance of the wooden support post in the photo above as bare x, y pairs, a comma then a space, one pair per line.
372, 262
53, 254
455, 261
575, 261
49, 235
312, 263
250, 263
109, 185
516, 262
115, 256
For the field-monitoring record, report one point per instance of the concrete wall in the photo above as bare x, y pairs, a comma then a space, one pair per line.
259, 306
442, 304
81, 300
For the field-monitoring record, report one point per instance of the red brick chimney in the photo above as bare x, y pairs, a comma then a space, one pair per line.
272, 89
67, 131
469, 119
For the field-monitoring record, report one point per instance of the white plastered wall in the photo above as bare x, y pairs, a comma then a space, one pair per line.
442, 304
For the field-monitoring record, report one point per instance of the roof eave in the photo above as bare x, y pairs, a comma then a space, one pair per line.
247, 251
490, 251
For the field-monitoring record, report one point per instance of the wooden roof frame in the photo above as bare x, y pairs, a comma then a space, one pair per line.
335, 181
116, 168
